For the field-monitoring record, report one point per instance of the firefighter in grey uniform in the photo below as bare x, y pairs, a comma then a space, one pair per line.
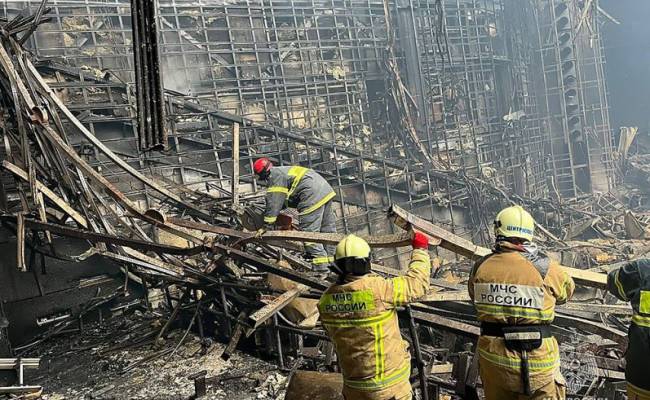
304, 189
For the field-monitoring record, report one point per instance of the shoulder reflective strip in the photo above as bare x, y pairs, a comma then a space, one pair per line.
270, 220
619, 286
637, 390
297, 172
397, 290
644, 302
375, 384
319, 204
640, 320
322, 260
277, 189
358, 322
515, 312
359, 301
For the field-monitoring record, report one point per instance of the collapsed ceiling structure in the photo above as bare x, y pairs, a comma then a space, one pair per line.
447, 109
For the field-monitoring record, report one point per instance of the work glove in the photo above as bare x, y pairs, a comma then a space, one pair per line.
259, 233
420, 241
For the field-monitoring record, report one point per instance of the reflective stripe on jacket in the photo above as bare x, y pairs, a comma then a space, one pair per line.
297, 187
507, 287
631, 283
360, 318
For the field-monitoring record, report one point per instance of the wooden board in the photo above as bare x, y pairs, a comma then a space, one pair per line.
468, 249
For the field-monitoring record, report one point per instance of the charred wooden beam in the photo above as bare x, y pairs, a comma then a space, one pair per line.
396, 240
263, 314
425, 317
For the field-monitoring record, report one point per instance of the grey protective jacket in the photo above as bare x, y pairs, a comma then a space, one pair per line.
296, 187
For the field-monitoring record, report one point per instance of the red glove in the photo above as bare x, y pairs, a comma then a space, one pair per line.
420, 241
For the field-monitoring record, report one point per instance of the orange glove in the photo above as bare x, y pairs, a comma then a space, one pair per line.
420, 241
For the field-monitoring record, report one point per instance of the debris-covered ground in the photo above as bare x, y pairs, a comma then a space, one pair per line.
96, 364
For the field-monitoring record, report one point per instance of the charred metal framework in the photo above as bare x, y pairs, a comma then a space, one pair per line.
307, 82
150, 102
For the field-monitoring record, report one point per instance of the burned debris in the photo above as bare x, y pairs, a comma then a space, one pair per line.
126, 167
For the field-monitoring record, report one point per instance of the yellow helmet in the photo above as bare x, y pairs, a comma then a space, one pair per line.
353, 255
514, 222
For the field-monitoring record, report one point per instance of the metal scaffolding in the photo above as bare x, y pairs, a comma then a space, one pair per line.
575, 107
307, 83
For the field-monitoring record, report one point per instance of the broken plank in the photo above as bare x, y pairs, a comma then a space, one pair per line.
263, 314
456, 295
449, 241
446, 368
436, 321
597, 328
597, 308
464, 247
586, 277
310, 322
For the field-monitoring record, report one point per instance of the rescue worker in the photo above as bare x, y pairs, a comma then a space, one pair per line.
359, 314
631, 283
514, 290
304, 189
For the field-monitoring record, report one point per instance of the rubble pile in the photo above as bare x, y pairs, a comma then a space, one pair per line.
106, 361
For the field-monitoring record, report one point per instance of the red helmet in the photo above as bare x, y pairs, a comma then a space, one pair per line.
262, 167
